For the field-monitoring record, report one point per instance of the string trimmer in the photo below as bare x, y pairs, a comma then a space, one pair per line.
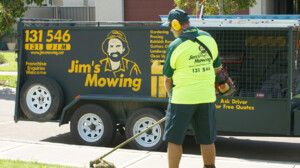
100, 163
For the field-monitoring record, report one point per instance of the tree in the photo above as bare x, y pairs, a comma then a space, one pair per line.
10, 10
226, 7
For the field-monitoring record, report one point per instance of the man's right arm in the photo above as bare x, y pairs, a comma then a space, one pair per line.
217, 70
217, 64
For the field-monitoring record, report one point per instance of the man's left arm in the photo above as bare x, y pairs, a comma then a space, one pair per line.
168, 73
168, 85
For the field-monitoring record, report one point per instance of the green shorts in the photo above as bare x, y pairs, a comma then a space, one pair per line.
201, 116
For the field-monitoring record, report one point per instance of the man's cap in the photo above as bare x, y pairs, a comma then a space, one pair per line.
178, 14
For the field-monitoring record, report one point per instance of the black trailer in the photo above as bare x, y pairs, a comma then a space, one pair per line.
65, 74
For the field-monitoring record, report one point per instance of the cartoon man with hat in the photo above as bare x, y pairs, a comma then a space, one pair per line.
116, 48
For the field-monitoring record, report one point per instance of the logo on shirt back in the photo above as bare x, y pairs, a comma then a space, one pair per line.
201, 57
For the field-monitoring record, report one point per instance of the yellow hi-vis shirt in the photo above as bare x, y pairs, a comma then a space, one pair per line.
192, 69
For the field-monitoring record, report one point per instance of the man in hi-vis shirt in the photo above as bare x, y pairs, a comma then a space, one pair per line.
189, 72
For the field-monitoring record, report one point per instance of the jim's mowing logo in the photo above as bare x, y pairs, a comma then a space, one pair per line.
114, 70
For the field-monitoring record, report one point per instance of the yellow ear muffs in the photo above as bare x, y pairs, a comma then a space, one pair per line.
176, 24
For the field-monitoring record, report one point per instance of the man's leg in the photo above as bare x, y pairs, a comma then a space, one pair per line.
174, 155
208, 154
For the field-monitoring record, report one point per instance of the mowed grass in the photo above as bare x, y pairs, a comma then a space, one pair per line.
23, 164
8, 81
11, 64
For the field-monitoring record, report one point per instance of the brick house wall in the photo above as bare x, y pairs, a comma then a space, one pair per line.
145, 10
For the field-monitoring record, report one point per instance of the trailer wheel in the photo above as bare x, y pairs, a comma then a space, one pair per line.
41, 98
139, 121
93, 125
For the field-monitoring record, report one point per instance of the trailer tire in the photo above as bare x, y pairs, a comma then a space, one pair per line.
139, 121
41, 98
93, 125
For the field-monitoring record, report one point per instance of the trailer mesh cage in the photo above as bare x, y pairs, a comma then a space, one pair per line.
257, 60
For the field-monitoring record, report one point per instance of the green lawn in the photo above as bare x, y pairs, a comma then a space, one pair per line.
8, 81
11, 59
22, 164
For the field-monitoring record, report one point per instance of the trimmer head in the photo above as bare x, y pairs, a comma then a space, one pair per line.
100, 163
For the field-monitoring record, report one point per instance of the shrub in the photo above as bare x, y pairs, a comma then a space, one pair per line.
2, 59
